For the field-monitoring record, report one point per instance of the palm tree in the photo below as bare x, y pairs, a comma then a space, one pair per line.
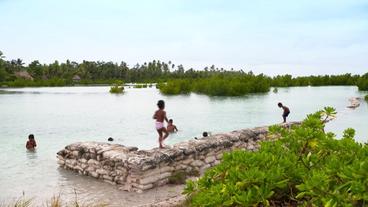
1, 55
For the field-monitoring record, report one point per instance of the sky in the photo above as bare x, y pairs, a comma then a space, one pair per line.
297, 37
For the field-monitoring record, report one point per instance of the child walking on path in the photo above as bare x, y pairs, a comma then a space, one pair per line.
160, 116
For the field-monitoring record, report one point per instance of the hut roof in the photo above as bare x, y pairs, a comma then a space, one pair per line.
23, 74
76, 77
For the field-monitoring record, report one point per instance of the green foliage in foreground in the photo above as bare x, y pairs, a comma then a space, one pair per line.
306, 167
363, 82
218, 85
117, 87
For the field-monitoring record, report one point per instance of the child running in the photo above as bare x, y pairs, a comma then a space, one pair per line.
160, 116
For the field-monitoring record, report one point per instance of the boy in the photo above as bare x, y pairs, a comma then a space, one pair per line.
31, 143
160, 116
286, 111
171, 127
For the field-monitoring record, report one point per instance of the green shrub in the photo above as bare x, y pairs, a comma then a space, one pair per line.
117, 87
174, 87
305, 167
366, 97
362, 82
218, 85
140, 85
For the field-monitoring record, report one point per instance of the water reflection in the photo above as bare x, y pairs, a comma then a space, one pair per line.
32, 157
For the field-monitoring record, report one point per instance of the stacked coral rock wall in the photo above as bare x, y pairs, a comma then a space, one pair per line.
138, 170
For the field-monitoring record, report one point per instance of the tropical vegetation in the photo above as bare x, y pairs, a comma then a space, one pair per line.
218, 85
305, 167
362, 82
118, 87
172, 79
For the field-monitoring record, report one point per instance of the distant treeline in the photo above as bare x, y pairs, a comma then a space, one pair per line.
173, 79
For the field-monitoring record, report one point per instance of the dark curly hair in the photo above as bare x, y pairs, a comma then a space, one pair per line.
161, 104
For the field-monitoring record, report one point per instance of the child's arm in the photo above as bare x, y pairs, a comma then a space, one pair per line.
166, 119
154, 115
176, 129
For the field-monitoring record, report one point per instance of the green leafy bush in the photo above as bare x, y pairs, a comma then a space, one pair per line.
218, 85
305, 167
362, 82
174, 87
144, 85
117, 87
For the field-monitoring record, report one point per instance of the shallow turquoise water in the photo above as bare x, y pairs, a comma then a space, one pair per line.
62, 115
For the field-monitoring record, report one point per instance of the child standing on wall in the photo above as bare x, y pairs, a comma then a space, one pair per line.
160, 116
286, 111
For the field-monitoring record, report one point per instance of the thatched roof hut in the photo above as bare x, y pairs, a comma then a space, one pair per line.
76, 78
24, 75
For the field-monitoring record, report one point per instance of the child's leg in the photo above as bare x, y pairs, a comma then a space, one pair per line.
159, 131
166, 133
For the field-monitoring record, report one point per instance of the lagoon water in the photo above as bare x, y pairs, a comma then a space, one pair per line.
63, 115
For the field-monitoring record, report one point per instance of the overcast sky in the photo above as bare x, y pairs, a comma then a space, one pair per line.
271, 37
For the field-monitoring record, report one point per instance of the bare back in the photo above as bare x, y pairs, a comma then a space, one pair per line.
160, 115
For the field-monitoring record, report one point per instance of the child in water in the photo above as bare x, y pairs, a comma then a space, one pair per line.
286, 111
160, 116
171, 127
31, 143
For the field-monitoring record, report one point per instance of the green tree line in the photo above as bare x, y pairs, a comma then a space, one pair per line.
210, 80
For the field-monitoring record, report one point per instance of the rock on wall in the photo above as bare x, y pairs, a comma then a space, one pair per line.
139, 170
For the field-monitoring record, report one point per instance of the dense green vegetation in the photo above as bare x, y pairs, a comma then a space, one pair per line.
331, 80
218, 85
173, 79
306, 167
240, 83
362, 82
118, 87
